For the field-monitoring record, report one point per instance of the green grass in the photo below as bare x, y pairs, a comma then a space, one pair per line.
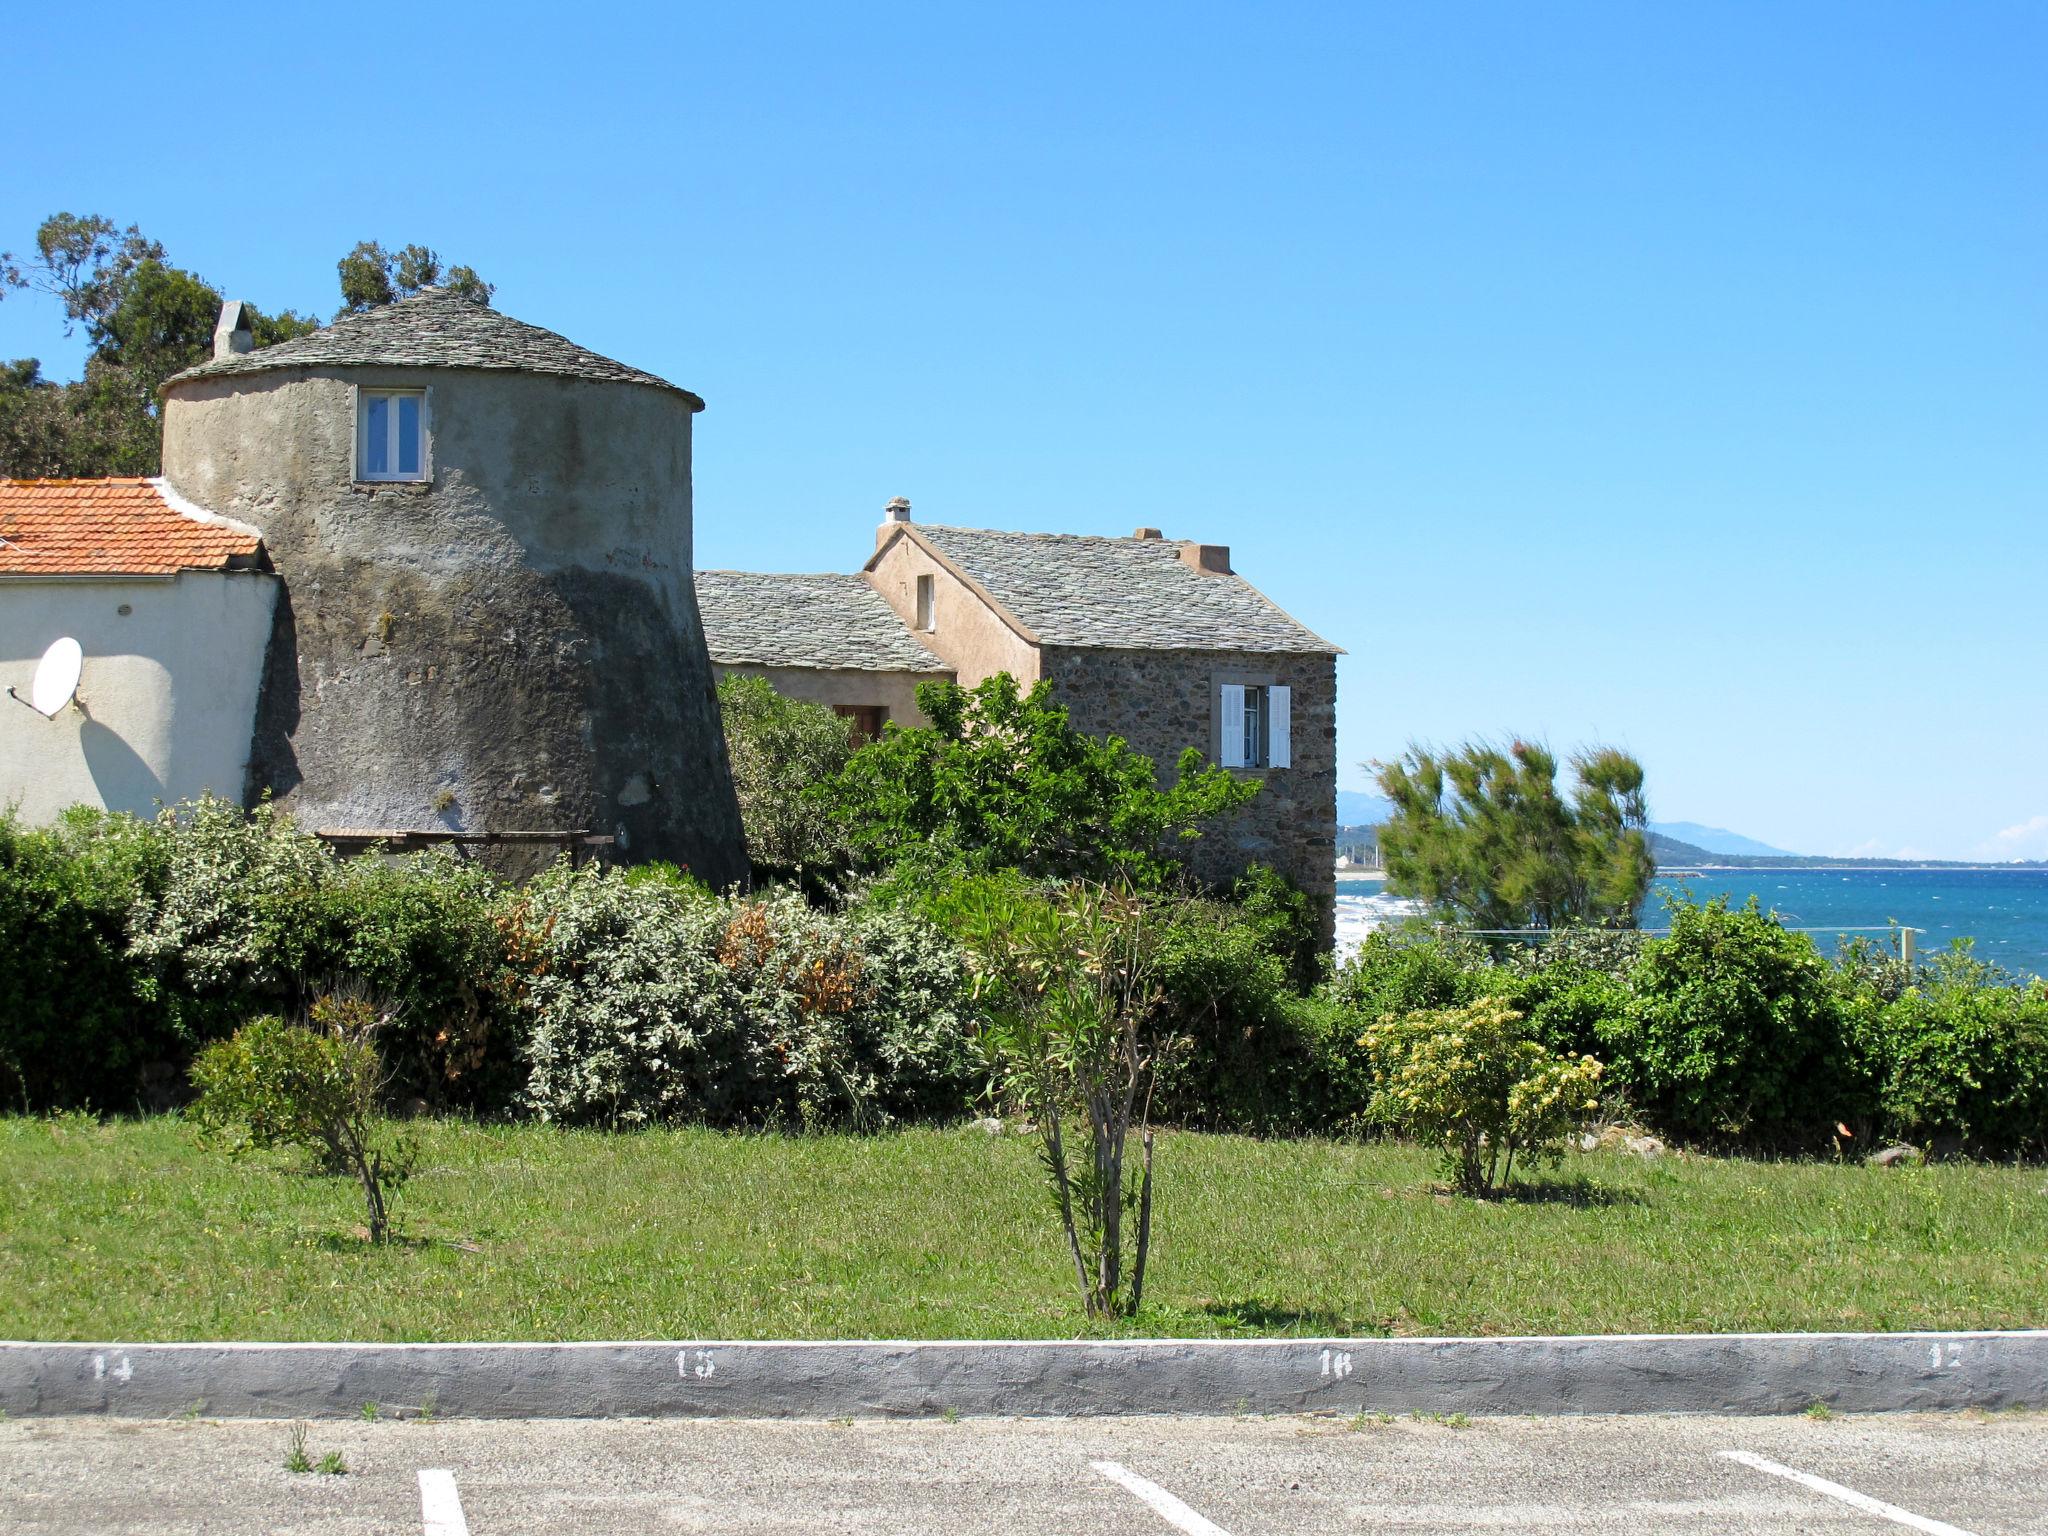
130, 1230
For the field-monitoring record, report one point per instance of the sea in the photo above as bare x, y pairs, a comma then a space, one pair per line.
2004, 911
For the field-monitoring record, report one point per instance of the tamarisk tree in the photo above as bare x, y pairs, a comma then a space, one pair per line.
1488, 839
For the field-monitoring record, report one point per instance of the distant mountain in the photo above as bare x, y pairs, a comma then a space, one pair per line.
1669, 851
1355, 808
1717, 840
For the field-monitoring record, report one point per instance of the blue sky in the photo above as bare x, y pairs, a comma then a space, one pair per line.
1667, 376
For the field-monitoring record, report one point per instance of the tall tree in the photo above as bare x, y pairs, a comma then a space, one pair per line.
144, 320
371, 275
1487, 838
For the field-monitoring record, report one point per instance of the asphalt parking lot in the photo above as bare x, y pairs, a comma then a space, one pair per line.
1986, 1475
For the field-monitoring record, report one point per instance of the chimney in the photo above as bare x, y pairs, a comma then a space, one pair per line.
894, 515
1213, 558
232, 335
1147, 533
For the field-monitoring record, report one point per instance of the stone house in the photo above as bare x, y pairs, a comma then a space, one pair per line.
1156, 640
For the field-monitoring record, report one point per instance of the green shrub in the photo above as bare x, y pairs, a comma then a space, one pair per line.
1396, 972
1241, 1058
1473, 1081
1571, 1007
1734, 1031
273, 1084
422, 934
1001, 780
79, 1023
785, 753
1962, 1053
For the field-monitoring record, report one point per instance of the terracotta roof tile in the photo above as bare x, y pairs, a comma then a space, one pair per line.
116, 527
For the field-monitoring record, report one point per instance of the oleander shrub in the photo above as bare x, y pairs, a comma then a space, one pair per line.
1473, 1081
80, 1023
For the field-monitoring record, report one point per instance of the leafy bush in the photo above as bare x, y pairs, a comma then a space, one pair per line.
651, 1001
1472, 1080
274, 1084
423, 934
1000, 780
1734, 1031
1962, 1052
785, 753
1242, 1058
79, 1024
1396, 972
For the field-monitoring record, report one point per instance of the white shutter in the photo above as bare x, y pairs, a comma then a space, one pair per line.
1278, 743
1233, 725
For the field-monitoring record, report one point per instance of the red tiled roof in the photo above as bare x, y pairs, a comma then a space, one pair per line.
117, 527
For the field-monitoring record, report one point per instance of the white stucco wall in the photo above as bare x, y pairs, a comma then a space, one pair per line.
172, 668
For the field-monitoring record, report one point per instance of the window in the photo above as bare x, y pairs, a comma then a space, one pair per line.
863, 721
1254, 730
391, 434
927, 605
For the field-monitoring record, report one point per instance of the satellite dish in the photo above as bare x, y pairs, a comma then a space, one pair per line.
56, 676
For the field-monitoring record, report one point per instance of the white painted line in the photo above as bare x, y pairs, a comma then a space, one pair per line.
1161, 1501
1862, 1501
440, 1506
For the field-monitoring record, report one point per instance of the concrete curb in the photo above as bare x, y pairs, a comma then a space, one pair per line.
1679, 1373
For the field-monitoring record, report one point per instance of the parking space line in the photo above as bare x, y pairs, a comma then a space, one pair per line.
1862, 1501
1162, 1502
441, 1506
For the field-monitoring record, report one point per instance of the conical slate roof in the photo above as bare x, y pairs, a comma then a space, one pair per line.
433, 329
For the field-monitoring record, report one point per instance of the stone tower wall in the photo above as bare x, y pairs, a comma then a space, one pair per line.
513, 645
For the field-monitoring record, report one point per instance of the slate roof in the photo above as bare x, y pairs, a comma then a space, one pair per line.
833, 621
1118, 594
433, 329
122, 527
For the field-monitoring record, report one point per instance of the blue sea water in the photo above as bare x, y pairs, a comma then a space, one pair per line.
2004, 910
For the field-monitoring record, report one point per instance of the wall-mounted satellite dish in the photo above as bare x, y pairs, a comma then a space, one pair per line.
56, 679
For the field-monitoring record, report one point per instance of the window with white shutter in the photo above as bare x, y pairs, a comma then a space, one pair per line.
1279, 740
1254, 728
1231, 711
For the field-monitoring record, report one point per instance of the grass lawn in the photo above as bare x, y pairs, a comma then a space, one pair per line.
131, 1231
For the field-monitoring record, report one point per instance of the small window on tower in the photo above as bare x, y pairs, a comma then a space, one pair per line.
391, 434
927, 611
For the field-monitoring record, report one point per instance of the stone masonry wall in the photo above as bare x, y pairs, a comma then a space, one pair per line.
1162, 702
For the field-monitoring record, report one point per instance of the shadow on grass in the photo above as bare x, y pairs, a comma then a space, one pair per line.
1264, 1317
1581, 1192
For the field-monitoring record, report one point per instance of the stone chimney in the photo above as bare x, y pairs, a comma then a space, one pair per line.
1147, 533
895, 515
232, 334
1213, 558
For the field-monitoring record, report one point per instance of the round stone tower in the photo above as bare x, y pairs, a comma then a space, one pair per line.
488, 621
